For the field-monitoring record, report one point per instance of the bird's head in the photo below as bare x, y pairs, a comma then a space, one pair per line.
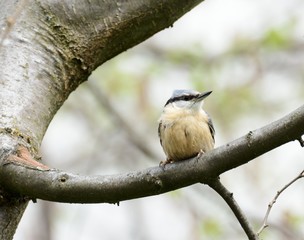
187, 99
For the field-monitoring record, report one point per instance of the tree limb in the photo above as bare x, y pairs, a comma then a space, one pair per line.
11, 207
55, 185
217, 186
53, 47
57, 44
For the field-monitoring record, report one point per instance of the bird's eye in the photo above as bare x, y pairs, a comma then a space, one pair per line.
187, 98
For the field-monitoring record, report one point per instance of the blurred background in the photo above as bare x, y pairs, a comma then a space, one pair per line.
251, 55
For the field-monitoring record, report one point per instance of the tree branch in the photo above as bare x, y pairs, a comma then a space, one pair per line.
217, 186
53, 47
270, 205
55, 185
11, 207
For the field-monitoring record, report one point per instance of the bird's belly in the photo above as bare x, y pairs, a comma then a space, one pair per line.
186, 138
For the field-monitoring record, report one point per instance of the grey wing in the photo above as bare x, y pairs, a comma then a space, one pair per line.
211, 128
159, 132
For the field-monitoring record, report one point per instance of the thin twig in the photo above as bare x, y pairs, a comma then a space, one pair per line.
217, 186
139, 140
265, 224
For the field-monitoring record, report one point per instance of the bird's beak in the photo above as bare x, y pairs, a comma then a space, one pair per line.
203, 95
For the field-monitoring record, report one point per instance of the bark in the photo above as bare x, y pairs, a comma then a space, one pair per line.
50, 48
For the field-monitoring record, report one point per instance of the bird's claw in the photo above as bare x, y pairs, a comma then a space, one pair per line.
162, 164
200, 153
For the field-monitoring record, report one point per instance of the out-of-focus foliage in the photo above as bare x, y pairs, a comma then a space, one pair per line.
211, 229
242, 78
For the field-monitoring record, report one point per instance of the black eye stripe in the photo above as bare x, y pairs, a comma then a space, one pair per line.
187, 97
182, 97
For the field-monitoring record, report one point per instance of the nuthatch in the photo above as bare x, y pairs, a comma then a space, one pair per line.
185, 129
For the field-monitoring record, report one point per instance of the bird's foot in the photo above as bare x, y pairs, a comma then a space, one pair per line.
200, 153
164, 163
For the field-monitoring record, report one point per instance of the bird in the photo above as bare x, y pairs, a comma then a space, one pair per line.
185, 129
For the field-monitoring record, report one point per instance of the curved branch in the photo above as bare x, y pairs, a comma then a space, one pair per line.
55, 185
53, 47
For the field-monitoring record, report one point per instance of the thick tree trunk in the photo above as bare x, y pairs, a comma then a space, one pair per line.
48, 48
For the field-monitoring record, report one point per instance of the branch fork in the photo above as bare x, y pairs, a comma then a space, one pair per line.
24, 158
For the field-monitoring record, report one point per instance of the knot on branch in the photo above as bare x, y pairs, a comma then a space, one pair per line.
63, 178
249, 138
157, 182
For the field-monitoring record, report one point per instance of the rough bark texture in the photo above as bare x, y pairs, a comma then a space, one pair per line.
51, 49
